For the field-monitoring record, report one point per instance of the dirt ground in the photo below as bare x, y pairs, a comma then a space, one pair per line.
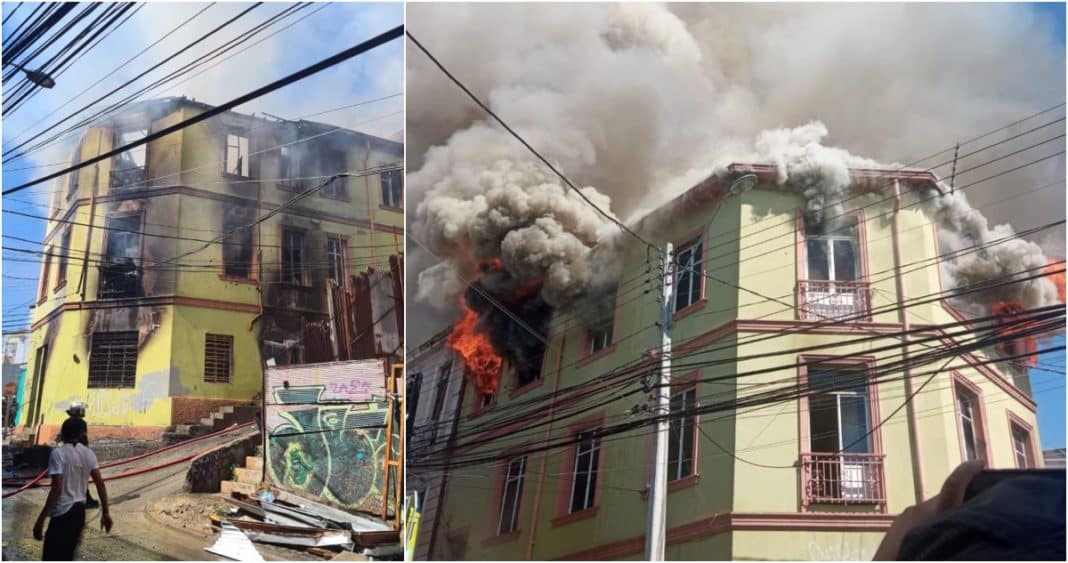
154, 520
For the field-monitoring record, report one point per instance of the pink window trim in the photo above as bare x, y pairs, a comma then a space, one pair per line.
802, 257
517, 390
679, 384
585, 356
567, 472
804, 439
690, 236
1015, 422
494, 508
982, 429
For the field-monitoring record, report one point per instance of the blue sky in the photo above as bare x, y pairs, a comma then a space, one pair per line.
329, 29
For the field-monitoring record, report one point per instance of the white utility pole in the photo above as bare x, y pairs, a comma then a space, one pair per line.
655, 533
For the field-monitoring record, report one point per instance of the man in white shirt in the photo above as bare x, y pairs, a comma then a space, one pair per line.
70, 468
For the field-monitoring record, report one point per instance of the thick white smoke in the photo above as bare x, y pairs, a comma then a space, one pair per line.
644, 101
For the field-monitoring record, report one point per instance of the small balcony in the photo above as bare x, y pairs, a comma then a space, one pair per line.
832, 299
119, 280
842, 479
128, 178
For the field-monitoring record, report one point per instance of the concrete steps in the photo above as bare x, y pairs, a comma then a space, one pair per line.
227, 487
246, 479
219, 419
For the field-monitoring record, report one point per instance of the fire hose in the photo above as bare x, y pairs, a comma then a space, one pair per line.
36, 480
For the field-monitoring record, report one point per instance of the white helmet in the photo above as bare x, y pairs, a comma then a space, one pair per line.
76, 409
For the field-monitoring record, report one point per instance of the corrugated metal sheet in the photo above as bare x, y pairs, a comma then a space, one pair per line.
357, 381
234, 545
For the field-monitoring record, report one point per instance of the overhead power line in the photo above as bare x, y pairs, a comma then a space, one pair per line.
208, 114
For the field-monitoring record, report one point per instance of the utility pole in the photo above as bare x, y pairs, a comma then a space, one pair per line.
655, 534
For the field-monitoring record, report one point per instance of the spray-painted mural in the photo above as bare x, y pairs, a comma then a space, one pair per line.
327, 432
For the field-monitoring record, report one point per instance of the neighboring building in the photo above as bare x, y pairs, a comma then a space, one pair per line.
761, 483
15, 345
1054, 459
158, 303
435, 385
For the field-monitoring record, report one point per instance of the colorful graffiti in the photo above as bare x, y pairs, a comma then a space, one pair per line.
323, 447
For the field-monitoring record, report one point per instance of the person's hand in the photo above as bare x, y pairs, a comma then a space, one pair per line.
105, 522
951, 496
38, 529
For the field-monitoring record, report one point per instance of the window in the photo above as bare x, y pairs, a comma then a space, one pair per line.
218, 357
439, 399
600, 333
832, 288
237, 248
293, 257
600, 337
485, 401
113, 359
335, 260
45, 276
72, 178
286, 166
511, 495
1021, 447
832, 250
122, 259
971, 429
64, 257
128, 167
333, 162
681, 436
584, 477
841, 467
688, 275
392, 188
236, 160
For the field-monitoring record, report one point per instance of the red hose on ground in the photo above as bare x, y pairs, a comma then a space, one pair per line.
36, 480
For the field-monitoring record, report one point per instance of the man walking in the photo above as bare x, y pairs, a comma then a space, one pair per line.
77, 410
70, 467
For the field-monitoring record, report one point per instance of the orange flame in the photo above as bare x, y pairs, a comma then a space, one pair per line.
1026, 345
483, 363
1055, 274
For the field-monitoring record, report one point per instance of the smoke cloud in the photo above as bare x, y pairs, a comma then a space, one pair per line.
643, 101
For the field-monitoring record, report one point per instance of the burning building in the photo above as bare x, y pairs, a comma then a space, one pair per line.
775, 290
172, 272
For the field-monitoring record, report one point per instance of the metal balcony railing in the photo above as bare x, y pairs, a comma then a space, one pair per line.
845, 478
832, 299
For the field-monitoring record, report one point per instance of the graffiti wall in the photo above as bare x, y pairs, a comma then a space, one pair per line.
326, 427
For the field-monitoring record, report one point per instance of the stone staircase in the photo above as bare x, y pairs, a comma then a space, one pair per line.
247, 479
220, 418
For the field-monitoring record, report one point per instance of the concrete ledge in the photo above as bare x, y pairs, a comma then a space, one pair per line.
207, 471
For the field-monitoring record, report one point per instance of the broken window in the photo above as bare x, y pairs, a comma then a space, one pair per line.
439, 399
335, 260
236, 161
688, 274
120, 269
292, 257
45, 275
64, 256
287, 167
72, 178
392, 188
333, 162
971, 430
113, 359
237, 247
485, 401
128, 167
600, 333
512, 493
1021, 447
218, 357
681, 435
584, 476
